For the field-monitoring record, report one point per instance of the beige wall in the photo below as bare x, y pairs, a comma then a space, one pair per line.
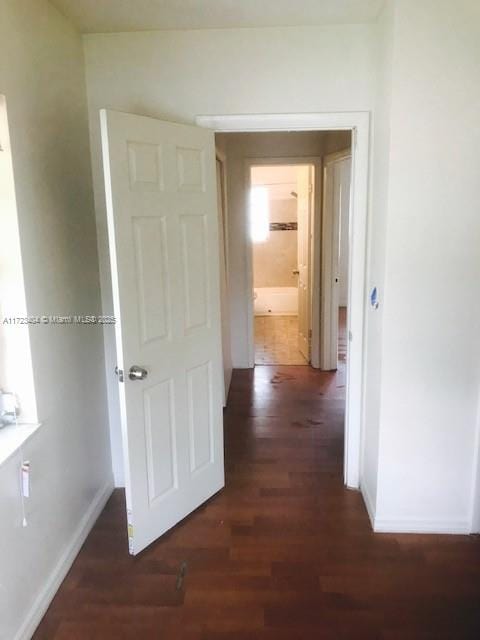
335, 141
275, 259
42, 76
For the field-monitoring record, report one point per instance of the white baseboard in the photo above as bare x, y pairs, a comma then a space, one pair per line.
37, 611
387, 525
457, 527
367, 499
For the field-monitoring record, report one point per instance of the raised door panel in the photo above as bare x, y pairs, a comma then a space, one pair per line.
145, 166
195, 271
199, 382
160, 440
151, 264
190, 169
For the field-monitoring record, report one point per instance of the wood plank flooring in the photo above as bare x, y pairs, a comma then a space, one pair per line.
284, 552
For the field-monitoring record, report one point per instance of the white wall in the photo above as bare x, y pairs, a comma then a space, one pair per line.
42, 77
431, 343
177, 75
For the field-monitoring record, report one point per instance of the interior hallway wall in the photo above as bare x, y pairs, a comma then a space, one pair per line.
42, 76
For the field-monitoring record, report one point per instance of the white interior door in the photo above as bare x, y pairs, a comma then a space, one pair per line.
304, 198
335, 242
163, 236
345, 167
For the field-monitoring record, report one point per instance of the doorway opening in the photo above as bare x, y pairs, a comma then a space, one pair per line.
281, 210
246, 128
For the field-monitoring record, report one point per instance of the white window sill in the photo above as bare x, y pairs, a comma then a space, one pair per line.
13, 436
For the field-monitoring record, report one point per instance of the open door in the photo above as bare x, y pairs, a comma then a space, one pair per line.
163, 236
304, 199
336, 208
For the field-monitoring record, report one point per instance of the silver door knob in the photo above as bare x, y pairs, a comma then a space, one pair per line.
137, 373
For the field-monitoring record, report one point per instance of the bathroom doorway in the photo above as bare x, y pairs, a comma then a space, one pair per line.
281, 209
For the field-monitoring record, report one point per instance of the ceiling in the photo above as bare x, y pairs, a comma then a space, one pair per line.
101, 16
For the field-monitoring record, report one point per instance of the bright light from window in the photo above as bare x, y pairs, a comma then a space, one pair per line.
259, 214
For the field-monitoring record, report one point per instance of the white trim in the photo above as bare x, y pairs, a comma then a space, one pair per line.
221, 157
284, 121
475, 493
457, 527
359, 123
33, 617
249, 271
367, 499
338, 155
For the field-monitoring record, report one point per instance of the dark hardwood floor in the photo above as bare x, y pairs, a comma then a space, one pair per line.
284, 552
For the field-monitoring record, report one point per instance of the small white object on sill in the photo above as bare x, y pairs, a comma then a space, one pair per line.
9, 408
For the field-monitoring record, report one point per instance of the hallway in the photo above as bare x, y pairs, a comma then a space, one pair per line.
284, 552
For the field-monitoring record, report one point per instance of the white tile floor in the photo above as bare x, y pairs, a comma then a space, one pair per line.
276, 340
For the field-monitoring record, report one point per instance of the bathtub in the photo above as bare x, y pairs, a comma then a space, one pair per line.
275, 301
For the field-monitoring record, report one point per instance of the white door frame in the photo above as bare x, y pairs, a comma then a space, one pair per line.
329, 297
314, 304
223, 239
359, 123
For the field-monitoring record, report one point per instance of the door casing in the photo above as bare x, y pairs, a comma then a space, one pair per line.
358, 122
221, 161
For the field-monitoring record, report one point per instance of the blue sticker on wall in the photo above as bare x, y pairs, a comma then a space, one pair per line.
374, 298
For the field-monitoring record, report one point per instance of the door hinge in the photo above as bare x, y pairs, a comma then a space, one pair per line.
131, 545
310, 187
354, 137
119, 373
350, 336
